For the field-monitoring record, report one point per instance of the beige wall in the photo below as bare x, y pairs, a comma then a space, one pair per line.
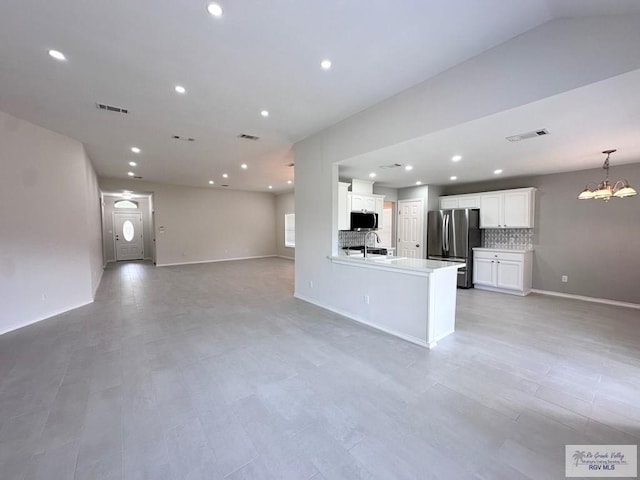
285, 203
50, 250
206, 224
593, 242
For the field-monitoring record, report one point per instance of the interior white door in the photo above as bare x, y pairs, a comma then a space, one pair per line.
410, 229
128, 236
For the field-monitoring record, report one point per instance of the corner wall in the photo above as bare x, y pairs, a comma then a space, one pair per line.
50, 245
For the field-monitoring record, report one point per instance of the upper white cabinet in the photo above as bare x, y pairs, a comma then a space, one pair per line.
353, 201
460, 201
501, 209
507, 208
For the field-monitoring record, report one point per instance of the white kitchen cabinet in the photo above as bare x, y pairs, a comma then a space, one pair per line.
358, 202
460, 201
344, 219
507, 208
501, 209
507, 271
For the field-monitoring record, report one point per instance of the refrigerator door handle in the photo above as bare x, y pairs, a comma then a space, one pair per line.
445, 233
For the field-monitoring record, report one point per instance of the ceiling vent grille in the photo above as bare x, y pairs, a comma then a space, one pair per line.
111, 108
525, 136
391, 165
246, 136
184, 139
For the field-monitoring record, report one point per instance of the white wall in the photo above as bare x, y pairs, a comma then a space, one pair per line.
558, 56
285, 203
50, 249
206, 224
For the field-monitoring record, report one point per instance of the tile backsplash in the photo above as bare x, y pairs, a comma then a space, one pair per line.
517, 238
347, 238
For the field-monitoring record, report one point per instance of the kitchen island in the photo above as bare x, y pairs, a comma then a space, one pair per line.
414, 299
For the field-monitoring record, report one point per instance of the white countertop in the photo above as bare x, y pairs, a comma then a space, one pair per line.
415, 266
506, 249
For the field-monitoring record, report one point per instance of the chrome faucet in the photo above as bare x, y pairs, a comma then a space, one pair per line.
366, 237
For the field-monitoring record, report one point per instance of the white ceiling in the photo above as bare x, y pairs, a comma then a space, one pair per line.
259, 55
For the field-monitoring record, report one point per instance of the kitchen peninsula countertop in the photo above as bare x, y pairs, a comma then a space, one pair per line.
415, 266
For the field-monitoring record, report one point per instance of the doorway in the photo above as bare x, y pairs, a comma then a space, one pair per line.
411, 228
128, 234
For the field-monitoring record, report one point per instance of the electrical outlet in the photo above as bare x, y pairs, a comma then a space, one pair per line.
366, 299
565, 278
310, 283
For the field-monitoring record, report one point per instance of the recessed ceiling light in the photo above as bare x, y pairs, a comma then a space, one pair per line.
135, 150
244, 166
225, 175
453, 177
325, 64
214, 9
456, 158
57, 55
132, 164
270, 187
498, 171
264, 113
180, 89
211, 182
408, 168
372, 175
131, 174
289, 182
418, 182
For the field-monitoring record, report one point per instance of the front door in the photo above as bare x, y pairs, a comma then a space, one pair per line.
410, 229
128, 236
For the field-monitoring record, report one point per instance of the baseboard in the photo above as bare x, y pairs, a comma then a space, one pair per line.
49, 315
286, 258
408, 338
519, 293
213, 261
587, 299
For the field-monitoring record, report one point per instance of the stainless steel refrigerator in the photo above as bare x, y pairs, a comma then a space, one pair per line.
451, 236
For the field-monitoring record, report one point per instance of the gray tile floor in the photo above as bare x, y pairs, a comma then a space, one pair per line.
215, 371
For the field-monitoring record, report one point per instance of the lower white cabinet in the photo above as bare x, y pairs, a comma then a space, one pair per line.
507, 271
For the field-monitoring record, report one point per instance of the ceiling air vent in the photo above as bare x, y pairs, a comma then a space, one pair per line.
137, 177
524, 136
391, 165
224, 185
111, 108
246, 136
184, 139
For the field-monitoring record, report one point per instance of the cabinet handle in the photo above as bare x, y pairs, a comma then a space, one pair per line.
498, 261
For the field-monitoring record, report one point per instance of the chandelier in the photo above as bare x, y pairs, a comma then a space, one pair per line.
604, 190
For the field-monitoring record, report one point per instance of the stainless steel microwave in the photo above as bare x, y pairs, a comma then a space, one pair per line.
364, 221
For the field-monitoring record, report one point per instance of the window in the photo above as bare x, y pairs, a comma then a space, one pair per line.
128, 230
290, 230
125, 204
